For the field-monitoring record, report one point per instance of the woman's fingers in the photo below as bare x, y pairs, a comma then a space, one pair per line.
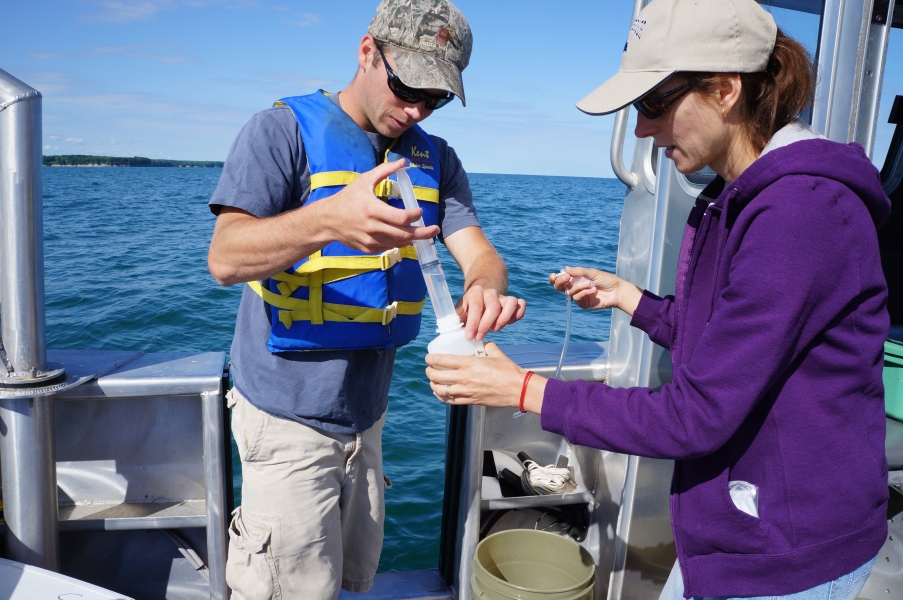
559, 281
581, 272
493, 380
445, 375
445, 361
451, 393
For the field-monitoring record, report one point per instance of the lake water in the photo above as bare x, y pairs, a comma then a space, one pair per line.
126, 269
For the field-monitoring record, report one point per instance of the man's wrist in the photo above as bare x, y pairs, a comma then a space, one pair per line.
487, 283
313, 226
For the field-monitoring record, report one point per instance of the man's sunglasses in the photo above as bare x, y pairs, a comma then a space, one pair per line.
411, 95
655, 107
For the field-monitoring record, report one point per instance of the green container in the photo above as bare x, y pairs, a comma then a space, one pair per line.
525, 564
893, 380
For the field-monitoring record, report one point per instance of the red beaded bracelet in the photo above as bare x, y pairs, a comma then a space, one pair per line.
523, 391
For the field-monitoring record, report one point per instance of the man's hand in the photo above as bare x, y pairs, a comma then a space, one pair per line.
245, 247
362, 221
484, 309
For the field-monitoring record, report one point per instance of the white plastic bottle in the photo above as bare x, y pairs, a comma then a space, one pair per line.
451, 339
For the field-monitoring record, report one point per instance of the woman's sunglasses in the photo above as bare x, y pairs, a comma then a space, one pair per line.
411, 95
656, 107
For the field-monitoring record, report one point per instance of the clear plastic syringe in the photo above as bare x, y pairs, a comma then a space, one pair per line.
426, 254
452, 338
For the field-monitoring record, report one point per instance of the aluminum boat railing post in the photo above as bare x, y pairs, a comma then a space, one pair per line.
469, 511
215, 488
619, 131
873, 73
851, 54
26, 425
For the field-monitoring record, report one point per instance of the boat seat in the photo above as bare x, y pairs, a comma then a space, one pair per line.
893, 447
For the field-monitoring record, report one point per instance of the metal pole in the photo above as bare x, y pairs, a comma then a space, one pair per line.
215, 484
873, 73
469, 521
22, 226
618, 133
842, 46
619, 130
26, 425
29, 481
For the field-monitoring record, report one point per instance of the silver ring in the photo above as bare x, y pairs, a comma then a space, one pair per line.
448, 393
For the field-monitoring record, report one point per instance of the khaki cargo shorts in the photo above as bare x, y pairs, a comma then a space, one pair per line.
311, 514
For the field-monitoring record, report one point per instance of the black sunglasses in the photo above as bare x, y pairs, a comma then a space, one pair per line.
656, 107
411, 95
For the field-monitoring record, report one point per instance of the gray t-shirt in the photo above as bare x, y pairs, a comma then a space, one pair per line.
266, 174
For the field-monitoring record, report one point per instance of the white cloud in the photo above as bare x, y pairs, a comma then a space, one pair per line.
280, 83
131, 51
52, 82
149, 106
294, 79
74, 140
129, 11
303, 20
101, 50
163, 58
45, 55
136, 51
53, 138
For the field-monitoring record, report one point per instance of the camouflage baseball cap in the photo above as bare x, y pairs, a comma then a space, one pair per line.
430, 42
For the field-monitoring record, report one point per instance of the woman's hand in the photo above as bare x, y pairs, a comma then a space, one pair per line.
494, 380
598, 290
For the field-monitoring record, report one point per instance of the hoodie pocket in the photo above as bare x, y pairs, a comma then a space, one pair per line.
250, 568
707, 520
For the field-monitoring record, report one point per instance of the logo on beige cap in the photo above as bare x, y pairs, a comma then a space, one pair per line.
636, 29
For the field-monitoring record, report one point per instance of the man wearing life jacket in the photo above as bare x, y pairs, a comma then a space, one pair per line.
309, 216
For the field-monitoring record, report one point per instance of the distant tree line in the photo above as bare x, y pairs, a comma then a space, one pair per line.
77, 160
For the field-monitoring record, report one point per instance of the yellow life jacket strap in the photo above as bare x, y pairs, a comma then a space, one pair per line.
337, 268
384, 261
384, 189
296, 309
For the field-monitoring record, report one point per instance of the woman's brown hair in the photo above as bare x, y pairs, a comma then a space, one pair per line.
772, 99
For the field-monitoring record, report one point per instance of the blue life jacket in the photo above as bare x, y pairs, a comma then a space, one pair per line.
340, 298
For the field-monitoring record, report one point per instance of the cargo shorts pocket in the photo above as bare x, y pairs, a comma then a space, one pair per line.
251, 569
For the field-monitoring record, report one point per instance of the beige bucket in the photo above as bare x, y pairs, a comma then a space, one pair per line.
525, 564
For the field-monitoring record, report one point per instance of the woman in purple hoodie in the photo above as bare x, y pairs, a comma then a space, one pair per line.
776, 329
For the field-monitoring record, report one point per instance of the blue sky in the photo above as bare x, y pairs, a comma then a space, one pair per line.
178, 78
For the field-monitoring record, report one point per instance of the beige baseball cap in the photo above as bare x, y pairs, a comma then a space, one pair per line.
669, 36
430, 41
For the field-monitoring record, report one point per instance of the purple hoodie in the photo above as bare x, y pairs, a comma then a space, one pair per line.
776, 336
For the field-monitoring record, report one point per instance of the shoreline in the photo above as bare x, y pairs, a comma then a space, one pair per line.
138, 166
